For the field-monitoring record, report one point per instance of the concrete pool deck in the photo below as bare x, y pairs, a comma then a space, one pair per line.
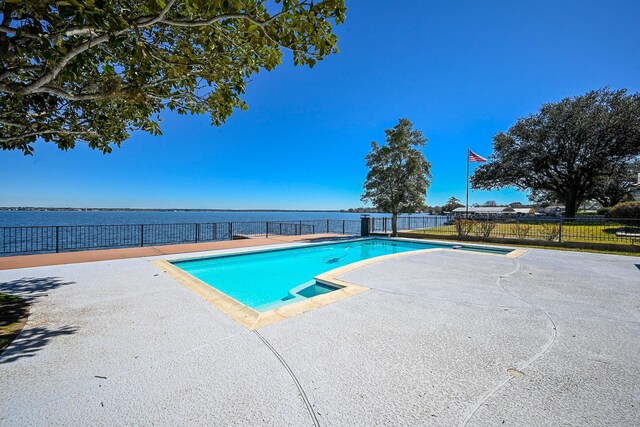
441, 338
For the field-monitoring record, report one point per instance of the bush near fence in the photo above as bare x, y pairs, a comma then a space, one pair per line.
596, 246
630, 211
585, 229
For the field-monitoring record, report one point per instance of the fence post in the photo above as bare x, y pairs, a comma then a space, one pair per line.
560, 231
267, 228
57, 239
343, 230
141, 235
197, 231
230, 231
327, 226
364, 226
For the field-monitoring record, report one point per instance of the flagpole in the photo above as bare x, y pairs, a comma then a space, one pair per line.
467, 204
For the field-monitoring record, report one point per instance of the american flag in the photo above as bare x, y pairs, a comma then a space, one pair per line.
473, 157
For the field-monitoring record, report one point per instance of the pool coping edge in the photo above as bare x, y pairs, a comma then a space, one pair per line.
247, 316
253, 319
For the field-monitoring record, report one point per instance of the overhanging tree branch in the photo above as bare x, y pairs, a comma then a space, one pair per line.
207, 22
8, 139
113, 67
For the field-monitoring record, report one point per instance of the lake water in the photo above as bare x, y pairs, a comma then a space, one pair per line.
53, 231
31, 218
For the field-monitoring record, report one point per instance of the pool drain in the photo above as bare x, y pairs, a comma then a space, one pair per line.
333, 260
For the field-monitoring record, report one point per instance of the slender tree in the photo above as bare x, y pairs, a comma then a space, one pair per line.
452, 203
95, 70
565, 148
399, 174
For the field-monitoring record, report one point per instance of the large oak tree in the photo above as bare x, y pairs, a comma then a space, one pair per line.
399, 174
565, 149
94, 70
617, 185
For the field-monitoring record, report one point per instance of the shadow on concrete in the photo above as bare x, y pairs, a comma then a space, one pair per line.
32, 288
32, 340
12, 309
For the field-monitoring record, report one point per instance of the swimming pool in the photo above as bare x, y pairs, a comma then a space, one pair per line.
264, 280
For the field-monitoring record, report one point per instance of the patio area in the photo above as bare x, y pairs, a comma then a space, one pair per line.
441, 338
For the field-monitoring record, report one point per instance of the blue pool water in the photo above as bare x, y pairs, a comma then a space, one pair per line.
267, 279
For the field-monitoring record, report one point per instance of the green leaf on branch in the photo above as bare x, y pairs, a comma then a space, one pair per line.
96, 74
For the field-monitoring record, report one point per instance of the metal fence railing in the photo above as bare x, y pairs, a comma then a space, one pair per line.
594, 229
64, 238
383, 224
584, 229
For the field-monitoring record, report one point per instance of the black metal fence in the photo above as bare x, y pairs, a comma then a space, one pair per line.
45, 239
582, 229
383, 224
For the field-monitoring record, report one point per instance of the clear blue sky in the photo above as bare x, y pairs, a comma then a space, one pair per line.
460, 70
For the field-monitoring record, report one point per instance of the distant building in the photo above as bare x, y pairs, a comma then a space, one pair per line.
552, 210
494, 211
635, 192
590, 206
524, 211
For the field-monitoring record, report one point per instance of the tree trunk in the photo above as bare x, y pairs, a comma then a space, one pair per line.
394, 225
571, 204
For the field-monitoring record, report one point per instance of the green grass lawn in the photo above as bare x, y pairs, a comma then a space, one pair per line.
560, 248
594, 233
13, 316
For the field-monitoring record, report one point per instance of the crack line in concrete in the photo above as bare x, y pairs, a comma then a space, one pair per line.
422, 296
526, 364
305, 399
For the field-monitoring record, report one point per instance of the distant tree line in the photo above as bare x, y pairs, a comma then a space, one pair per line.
451, 204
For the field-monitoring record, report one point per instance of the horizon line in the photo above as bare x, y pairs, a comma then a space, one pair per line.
172, 209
